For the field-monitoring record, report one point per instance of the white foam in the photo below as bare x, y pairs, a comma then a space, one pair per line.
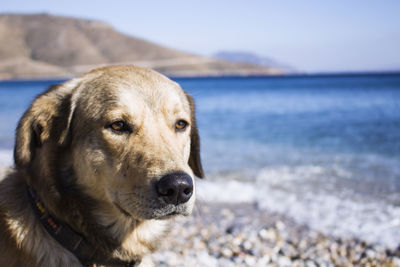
299, 193
373, 222
5, 161
226, 191
6, 157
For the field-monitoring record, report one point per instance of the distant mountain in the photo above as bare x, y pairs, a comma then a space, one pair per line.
251, 58
42, 45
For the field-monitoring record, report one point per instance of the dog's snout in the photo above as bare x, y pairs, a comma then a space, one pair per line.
175, 188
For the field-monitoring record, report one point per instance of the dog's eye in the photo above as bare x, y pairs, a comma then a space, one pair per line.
181, 125
119, 126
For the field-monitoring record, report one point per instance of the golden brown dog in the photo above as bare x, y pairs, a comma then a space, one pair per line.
101, 163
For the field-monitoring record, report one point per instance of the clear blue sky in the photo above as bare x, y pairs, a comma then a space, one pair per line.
311, 35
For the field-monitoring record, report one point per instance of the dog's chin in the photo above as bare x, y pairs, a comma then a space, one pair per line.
163, 213
173, 214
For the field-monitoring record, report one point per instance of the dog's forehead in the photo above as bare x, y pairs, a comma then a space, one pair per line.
134, 88
157, 95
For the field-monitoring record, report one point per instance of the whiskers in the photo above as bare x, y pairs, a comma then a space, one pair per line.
139, 205
143, 203
126, 193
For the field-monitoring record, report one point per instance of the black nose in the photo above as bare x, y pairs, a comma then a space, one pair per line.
175, 188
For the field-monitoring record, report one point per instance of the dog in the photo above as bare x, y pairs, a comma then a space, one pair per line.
103, 162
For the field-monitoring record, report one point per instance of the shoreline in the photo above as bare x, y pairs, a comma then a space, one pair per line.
223, 234
172, 76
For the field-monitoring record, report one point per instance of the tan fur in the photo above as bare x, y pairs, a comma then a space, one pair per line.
99, 182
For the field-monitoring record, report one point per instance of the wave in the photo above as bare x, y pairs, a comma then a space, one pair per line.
6, 157
309, 195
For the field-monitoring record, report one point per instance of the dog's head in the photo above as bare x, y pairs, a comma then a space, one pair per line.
125, 135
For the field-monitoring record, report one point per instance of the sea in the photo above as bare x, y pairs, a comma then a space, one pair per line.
323, 150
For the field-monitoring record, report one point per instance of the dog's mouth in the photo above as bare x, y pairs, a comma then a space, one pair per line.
161, 212
171, 214
123, 211
175, 211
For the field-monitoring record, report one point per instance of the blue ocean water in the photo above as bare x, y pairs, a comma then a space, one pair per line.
324, 150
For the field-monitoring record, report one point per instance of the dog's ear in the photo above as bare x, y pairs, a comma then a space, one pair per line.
47, 119
194, 158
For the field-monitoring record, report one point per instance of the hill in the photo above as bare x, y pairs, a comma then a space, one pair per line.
251, 58
43, 45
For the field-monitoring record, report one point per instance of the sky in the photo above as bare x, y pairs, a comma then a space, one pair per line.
309, 35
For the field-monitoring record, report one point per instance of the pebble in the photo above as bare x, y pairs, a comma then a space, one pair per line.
240, 235
226, 252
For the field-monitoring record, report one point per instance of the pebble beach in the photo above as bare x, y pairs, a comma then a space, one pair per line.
219, 234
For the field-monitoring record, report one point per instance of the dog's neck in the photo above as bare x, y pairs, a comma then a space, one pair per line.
116, 235
77, 244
